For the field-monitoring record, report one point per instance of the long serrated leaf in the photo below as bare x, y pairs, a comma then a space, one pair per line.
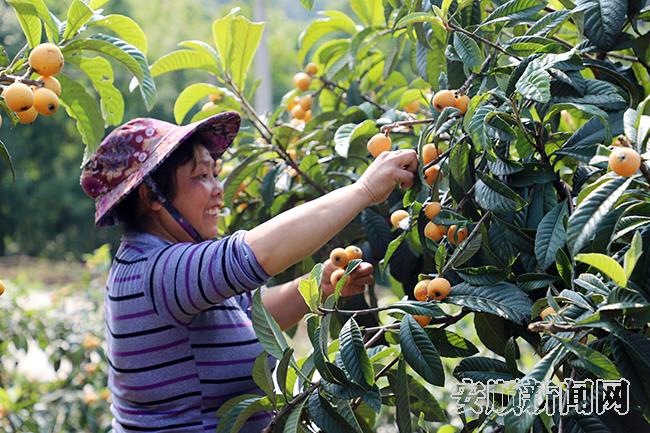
403, 410
482, 369
551, 235
125, 28
29, 20
267, 329
469, 51
633, 254
4, 153
355, 357
419, 308
449, 344
606, 265
189, 97
503, 299
326, 417
534, 84
586, 218
419, 351
78, 15
513, 10
591, 359
82, 106
604, 22
183, 59
293, 420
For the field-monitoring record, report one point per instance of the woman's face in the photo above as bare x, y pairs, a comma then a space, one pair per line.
199, 194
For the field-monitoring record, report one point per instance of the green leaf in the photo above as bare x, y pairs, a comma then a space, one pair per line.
282, 371
183, 59
100, 73
369, 12
307, 4
528, 393
326, 417
29, 20
309, 289
419, 351
632, 356
267, 329
548, 23
633, 254
482, 275
78, 15
82, 106
262, 374
417, 17
125, 53
331, 22
189, 97
551, 235
603, 22
342, 139
606, 265
481, 369
496, 196
590, 359
513, 10
449, 344
466, 250
245, 169
354, 354
469, 51
403, 410
534, 84
582, 143
125, 28
602, 94
4, 153
584, 222
235, 419
502, 299
236, 39
293, 420
419, 308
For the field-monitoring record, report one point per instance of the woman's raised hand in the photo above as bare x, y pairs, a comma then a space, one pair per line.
389, 169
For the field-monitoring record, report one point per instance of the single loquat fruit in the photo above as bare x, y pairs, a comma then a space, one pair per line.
429, 153
305, 102
379, 143
431, 174
456, 236
397, 217
45, 101
444, 98
433, 231
2, 287
438, 288
51, 83
422, 320
336, 275
215, 97
46, 59
91, 342
432, 209
301, 81
546, 311
624, 161
297, 112
307, 116
339, 257
19, 97
420, 290
311, 68
292, 103
354, 252
27, 116
412, 107
462, 103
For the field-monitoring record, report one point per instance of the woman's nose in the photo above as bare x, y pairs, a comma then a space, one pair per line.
218, 188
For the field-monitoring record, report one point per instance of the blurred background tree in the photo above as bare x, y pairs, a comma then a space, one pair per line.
45, 213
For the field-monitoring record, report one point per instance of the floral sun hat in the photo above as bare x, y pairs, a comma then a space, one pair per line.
135, 149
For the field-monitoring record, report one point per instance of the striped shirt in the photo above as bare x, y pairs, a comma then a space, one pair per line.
179, 332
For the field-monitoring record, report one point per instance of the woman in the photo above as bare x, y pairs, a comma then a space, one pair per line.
177, 303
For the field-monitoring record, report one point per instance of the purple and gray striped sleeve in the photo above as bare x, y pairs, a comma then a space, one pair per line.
184, 279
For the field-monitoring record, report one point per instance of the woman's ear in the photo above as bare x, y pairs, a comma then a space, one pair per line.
148, 199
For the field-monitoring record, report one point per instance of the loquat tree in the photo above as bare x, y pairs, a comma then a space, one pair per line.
529, 222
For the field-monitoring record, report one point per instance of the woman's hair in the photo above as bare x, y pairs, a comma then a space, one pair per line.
128, 211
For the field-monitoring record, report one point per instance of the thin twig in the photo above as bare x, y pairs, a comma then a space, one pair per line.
481, 39
467, 241
329, 83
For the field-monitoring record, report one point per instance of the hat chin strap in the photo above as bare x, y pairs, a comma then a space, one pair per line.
194, 234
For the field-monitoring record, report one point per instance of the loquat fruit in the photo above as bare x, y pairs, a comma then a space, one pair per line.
50, 83
456, 236
27, 116
2, 287
624, 161
311, 68
0, 121
462, 103
297, 112
45, 101
379, 143
301, 81
412, 107
19, 97
438, 288
433, 231
215, 97
292, 102
429, 153
354, 252
46, 59
336, 275
444, 98
339, 257
305, 102
432, 209
422, 320
307, 116
420, 290
431, 174
397, 217
546, 311
91, 342
292, 154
